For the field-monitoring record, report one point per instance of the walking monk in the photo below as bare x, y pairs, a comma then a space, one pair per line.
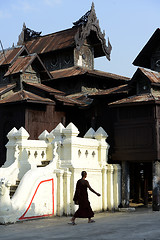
81, 198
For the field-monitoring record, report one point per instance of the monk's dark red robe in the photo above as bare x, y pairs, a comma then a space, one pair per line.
81, 198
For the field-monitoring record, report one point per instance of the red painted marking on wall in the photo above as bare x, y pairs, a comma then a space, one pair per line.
45, 215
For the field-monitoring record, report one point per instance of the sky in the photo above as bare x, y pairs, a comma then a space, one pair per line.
128, 23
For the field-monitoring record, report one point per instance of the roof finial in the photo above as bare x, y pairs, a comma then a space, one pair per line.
84, 19
24, 26
92, 7
21, 36
26, 35
89, 22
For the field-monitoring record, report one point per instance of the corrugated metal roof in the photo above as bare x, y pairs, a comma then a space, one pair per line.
137, 99
75, 71
10, 54
25, 96
95, 92
52, 42
72, 37
153, 76
73, 101
115, 90
45, 88
6, 88
83, 98
20, 64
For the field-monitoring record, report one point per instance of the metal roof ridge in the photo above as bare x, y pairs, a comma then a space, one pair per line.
148, 70
114, 74
12, 48
49, 34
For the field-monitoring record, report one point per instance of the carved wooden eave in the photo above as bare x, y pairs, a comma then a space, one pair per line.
89, 22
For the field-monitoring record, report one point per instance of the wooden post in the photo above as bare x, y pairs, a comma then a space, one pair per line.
137, 190
125, 184
156, 186
146, 174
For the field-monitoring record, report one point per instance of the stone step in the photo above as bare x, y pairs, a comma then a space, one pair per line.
17, 182
13, 188
44, 163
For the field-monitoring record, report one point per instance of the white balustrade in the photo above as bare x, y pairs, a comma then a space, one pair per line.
68, 155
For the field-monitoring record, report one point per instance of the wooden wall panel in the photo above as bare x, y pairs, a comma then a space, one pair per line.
11, 116
40, 118
135, 134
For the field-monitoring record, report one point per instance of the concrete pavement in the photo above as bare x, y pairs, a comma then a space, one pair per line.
143, 224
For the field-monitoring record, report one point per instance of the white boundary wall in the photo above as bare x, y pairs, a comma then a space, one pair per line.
47, 191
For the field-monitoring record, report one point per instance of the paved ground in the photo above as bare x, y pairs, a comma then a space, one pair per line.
143, 224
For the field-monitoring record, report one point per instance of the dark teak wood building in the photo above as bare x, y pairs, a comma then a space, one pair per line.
49, 79
137, 127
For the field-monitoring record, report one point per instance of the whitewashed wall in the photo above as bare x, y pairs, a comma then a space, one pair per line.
49, 190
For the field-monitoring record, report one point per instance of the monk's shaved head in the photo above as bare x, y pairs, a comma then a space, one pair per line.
83, 174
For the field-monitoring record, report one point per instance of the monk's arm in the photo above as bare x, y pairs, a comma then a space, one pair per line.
92, 190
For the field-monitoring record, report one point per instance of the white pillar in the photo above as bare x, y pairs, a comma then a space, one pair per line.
66, 192
110, 187
48, 138
60, 192
22, 141
117, 185
69, 148
10, 147
101, 136
104, 189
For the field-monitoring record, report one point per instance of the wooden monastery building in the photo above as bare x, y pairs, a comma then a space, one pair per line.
49, 79
137, 128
